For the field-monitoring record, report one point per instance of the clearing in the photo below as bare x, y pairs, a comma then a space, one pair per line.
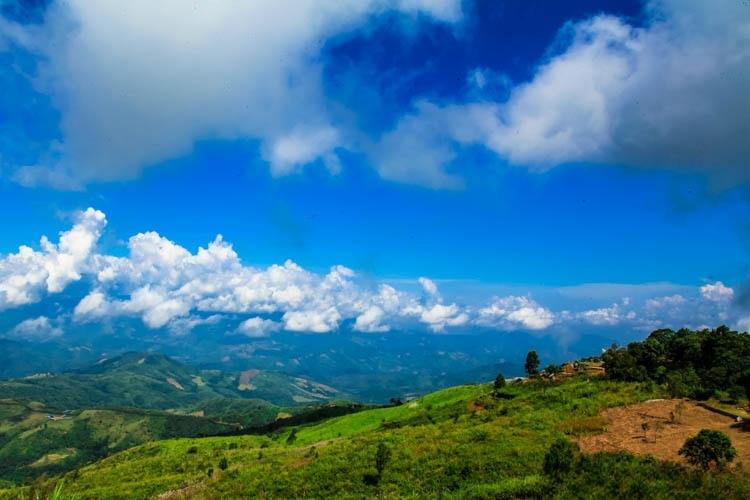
660, 428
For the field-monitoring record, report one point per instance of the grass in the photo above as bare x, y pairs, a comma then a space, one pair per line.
460, 442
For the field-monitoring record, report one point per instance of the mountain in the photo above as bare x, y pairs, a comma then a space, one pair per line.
462, 442
155, 381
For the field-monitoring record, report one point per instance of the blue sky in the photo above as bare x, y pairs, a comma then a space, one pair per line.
513, 153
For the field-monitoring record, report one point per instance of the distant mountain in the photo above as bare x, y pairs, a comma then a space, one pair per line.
155, 381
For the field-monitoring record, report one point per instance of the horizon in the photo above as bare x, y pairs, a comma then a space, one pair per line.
444, 168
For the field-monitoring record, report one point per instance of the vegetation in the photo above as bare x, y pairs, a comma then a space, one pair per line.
709, 447
697, 364
532, 363
460, 442
561, 458
154, 381
499, 382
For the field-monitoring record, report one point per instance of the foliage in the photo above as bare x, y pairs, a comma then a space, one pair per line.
553, 369
708, 447
690, 363
460, 442
382, 456
532, 363
499, 382
561, 458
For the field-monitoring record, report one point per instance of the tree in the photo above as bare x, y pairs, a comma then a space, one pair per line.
499, 382
532, 363
708, 447
553, 369
560, 458
382, 456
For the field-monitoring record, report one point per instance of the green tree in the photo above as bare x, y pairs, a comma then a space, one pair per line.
560, 458
499, 382
708, 447
382, 456
532, 363
553, 369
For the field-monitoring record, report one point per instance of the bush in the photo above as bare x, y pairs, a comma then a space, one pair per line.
499, 382
561, 458
192, 450
223, 463
382, 456
708, 447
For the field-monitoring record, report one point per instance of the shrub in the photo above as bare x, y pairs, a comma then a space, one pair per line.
561, 458
192, 450
708, 447
382, 456
499, 382
292, 436
223, 463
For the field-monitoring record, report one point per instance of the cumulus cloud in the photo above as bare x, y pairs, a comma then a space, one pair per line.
717, 292
25, 275
38, 329
514, 312
607, 316
670, 94
258, 327
169, 287
158, 77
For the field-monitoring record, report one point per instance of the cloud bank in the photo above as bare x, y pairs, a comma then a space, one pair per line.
166, 286
670, 94
153, 80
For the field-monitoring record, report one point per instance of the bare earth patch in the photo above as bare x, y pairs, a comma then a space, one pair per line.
660, 428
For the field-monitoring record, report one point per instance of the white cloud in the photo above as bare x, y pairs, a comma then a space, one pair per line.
607, 316
38, 329
513, 312
258, 327
717, 292
371, 320
167, 286
155, 78
670, 94
25, 275
429, 286
311, 320
439, 316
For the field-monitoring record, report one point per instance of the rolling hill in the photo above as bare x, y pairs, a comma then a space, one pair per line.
461, 442
155, 381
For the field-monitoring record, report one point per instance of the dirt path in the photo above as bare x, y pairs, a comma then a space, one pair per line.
660, 428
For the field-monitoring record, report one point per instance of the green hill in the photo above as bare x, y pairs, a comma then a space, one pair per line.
155, 381
462, 442
35, 441
50, 423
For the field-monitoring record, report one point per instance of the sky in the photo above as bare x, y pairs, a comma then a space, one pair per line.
377, 166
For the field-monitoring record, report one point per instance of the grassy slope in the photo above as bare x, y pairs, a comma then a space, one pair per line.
31, 444
440, 443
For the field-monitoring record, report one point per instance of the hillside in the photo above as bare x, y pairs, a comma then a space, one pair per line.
51, 423
155, 381
35, 441
461, 442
